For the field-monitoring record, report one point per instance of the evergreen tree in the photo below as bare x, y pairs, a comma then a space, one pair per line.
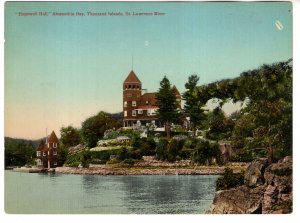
167, 105
193, 108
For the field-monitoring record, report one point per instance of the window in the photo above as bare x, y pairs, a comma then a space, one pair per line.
55, 163
148, 112
133, 112
54, 145
48, 153
147, 102
54, 153
128, 95
125, 104
129, 86
133, 86
38, 153
44, 153
140, 112
125, 113
133, 103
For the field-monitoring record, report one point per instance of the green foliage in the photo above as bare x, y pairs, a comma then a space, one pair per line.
244, 127
70, 136
63, 154
162, 149
104, 154
205, 152
229, 180
244, 155
267, 92
193, 107
219, 126
173, 148
83, 157
167, 104
145, 145
18, 152
94, 127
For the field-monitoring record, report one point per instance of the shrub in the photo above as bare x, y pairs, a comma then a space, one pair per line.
229, 180
201, 152
104, 154
173, 150
244, 155
162, 149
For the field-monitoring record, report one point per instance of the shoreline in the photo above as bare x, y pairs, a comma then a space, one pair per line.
104, 170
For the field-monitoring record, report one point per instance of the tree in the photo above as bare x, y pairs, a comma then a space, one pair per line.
193, 108
219, 126
267, 92
167, 105
18, 153
70, 136
93, 128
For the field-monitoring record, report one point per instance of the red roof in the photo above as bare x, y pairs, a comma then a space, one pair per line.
132, 78
41, 146
52, 138
177, 93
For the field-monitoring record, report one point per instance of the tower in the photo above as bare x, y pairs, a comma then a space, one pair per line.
132, 92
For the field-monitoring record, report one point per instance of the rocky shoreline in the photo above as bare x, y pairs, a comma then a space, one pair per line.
267, 189
107, 170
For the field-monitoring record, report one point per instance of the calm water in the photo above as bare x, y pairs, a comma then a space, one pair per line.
63, 193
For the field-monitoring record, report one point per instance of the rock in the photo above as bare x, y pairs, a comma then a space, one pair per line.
280, 173
267, 190
254, 175
239, 200
278, 195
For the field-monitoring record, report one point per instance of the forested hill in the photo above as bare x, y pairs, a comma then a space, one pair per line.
18, 152
10, 140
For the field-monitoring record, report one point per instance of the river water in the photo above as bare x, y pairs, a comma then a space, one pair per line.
33, 193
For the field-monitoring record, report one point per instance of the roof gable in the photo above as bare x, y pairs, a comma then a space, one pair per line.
52, 138
177, 93
132, 78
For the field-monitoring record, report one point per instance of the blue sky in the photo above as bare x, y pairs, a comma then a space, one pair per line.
59, 70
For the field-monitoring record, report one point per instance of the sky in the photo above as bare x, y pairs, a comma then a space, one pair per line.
60, 70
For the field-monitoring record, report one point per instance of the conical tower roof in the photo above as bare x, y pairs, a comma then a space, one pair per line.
132, 78
52, 138
174, 88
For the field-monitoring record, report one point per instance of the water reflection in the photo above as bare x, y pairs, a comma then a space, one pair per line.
107, 194
168, 194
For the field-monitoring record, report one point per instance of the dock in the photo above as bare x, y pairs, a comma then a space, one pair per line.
34, 170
